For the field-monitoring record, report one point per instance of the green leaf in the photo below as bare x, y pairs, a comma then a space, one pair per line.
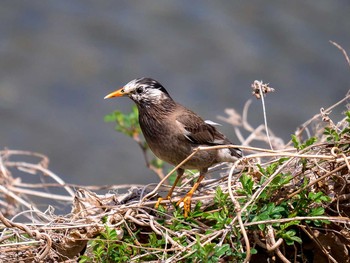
289, 224
299, 146
348, 116
222, 250
295, 141
332, 135
310, 141
84, 259
247, 183
253, 251
318, 211
290, 237
318, 197
297, 239
125, 123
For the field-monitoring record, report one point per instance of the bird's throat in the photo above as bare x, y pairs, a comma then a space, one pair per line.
156, 108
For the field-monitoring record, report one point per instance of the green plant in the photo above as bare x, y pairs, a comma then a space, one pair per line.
289, 236
334, 134
223, 216
127, 124
247, 184
299, 145
267, 212
210, 252
108, 248
266, 196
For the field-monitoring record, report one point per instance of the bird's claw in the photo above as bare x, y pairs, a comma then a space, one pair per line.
186, 200
160, 199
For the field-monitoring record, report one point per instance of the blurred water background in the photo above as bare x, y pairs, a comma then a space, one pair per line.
58, 59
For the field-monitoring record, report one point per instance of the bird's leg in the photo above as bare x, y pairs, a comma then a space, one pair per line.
188, 197
180, 173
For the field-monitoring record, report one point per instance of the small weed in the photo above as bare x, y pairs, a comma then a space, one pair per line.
108, 248
210, 252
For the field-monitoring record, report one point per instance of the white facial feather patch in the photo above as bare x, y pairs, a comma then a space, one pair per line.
154, 93
132, 85
148, 94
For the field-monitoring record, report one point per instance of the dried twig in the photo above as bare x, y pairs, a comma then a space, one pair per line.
342, 50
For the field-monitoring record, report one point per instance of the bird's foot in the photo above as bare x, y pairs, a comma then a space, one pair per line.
186, 200
160, 199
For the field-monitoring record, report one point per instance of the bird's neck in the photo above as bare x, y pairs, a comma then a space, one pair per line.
152, 117
157, 109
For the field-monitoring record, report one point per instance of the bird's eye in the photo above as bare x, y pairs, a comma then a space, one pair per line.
139, 90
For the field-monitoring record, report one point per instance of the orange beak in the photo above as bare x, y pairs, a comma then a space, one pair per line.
117, 93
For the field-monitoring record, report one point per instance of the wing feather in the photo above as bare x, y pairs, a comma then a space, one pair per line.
200, 132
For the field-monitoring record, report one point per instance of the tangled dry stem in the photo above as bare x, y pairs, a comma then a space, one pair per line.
54, 237
33, 235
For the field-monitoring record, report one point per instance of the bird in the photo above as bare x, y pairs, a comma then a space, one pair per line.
173, 132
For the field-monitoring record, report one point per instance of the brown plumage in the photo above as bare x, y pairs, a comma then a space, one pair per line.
173, 131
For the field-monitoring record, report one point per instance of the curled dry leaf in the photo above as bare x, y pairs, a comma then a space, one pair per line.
260, 87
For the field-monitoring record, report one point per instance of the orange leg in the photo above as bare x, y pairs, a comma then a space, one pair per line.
180, 173
188, 197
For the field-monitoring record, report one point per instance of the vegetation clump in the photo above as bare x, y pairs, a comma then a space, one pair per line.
286, 202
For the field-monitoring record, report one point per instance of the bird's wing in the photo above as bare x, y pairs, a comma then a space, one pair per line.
200, 132
196, 130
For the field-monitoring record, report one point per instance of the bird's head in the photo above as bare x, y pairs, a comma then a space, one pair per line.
143, 91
